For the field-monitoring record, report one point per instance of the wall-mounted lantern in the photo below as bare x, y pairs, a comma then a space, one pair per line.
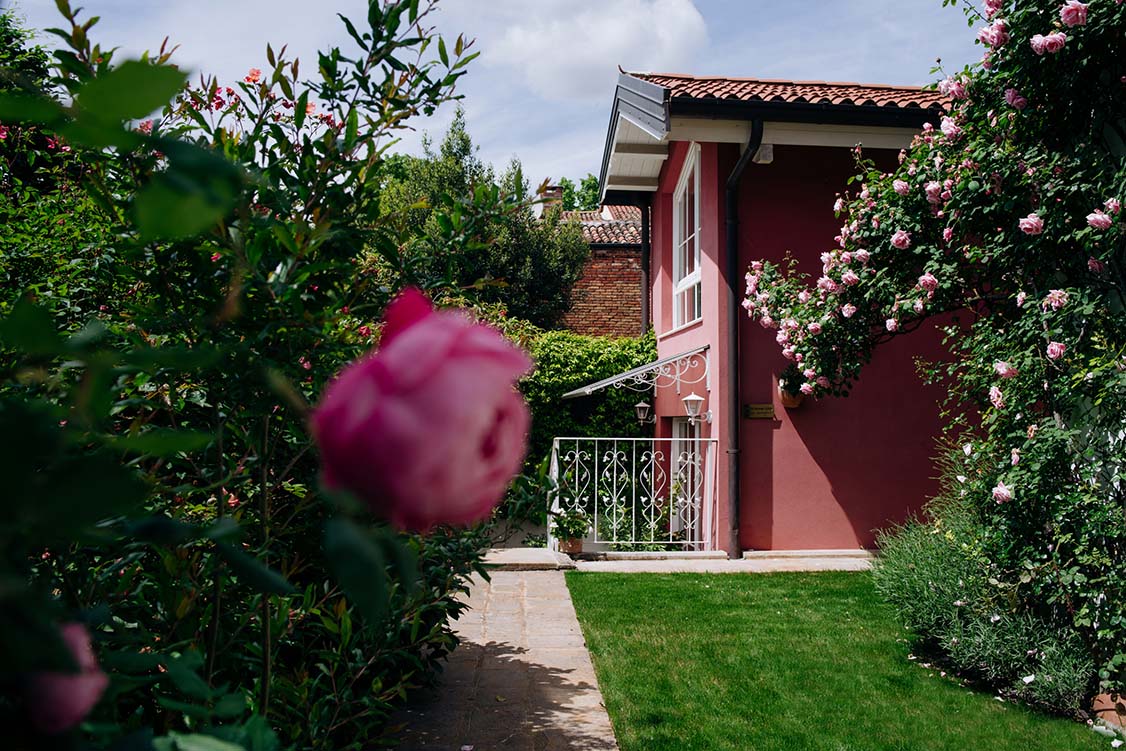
643, 409
692, 404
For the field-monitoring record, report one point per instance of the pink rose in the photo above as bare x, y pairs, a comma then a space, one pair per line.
1056, 350
933, 190
862, 255
429, 429
254, 76
1032, 224
929, 282
994, 35
823, 382
901, 239
59, 701
3, 132
809, 373
949, 128
1112, 205
1014, 457
1073, 13
993, 7
1055, 299
838, 205
1021, 297
806, 388
1004, 369
952, 87
827, 284
850, 278
996, 397
756, 266
766, 322
891, 324
803, 296
947, 233
814, 328
1099, 219
902, 187
1014, 99
1050, 43
848, 311
1095, 266
1002, 494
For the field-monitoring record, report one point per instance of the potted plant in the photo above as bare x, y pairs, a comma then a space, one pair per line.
789, 387
569, 528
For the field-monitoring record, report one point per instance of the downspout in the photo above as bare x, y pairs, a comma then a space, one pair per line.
733, 417
646, 253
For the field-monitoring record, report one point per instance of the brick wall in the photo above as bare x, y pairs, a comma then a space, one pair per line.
606, 301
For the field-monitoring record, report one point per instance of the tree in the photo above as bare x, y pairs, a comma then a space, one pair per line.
584, 198
1008, 217
530, 264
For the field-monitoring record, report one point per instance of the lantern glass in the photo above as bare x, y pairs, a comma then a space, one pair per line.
692, 404
642, 410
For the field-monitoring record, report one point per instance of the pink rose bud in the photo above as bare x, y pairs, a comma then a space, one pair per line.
848, 311
891, 324
806, 388
1056, 350
1095, 266
59, 701
756, 266
1032, 224
814, 328
1021, 297
993, 7
838, 205
1112, 205
429, 429
902, 187
1002, 494
1073, 13
929, 282
1014, 457
947, 233
901, 239
1099, 219
1004, 369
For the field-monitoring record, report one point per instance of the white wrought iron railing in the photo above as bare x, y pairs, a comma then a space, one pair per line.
638, 493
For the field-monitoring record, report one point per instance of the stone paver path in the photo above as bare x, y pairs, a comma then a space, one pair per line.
522, 678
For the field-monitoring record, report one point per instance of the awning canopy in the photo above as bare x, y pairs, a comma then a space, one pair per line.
675, 370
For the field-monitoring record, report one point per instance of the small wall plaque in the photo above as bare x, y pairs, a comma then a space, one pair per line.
758, 411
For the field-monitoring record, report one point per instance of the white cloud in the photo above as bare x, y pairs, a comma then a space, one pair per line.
571, 50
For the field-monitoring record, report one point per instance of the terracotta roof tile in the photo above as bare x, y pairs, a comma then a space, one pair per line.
622, 228
812, 92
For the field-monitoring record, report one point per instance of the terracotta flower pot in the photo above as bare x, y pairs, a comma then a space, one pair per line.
790, 401
571, 545
1110, 709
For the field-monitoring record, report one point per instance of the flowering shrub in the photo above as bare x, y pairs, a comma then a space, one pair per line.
1008, 217
179, 287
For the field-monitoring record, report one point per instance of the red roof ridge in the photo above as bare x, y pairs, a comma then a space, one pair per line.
781, 81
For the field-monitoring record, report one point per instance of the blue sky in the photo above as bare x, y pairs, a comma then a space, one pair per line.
543, 86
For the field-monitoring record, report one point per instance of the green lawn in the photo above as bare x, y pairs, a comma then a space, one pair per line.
782, 662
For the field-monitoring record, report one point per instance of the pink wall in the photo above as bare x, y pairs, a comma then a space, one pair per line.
830, 473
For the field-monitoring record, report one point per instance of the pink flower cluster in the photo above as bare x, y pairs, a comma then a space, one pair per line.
1048, 44
1014, 99
995, 35
1031, 224
1099, 219
1055, 299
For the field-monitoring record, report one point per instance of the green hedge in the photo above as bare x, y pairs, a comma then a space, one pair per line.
566, 361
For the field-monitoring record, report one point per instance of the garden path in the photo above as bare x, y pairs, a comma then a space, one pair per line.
521, 679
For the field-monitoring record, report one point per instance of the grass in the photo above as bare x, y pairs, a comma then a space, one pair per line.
783, 662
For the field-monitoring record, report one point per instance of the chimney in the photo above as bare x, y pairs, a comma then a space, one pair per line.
553, 197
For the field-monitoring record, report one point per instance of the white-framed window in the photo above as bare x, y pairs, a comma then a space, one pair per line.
686, 302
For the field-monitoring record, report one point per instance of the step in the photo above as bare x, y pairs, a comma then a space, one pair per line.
860, 553
527, 559
659, 555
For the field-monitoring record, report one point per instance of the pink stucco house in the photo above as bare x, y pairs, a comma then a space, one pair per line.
725, 171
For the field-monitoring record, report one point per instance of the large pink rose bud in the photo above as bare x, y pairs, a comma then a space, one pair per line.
59, 701
429, 429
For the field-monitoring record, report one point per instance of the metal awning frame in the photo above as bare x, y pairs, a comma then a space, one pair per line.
667, 371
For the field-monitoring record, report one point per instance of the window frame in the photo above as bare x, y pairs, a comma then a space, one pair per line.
685, 285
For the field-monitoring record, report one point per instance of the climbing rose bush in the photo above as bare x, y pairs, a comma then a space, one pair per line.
1005, 223
429, 429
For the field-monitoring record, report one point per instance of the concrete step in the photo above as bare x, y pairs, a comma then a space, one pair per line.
659, 555
527, 559
784, 554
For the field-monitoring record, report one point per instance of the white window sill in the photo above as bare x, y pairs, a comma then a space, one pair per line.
682, 327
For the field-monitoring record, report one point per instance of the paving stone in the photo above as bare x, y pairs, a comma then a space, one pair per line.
522, 680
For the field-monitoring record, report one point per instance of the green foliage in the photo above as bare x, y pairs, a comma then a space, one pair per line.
527, 264
570, 524
585, 197
566, 361
175, 293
